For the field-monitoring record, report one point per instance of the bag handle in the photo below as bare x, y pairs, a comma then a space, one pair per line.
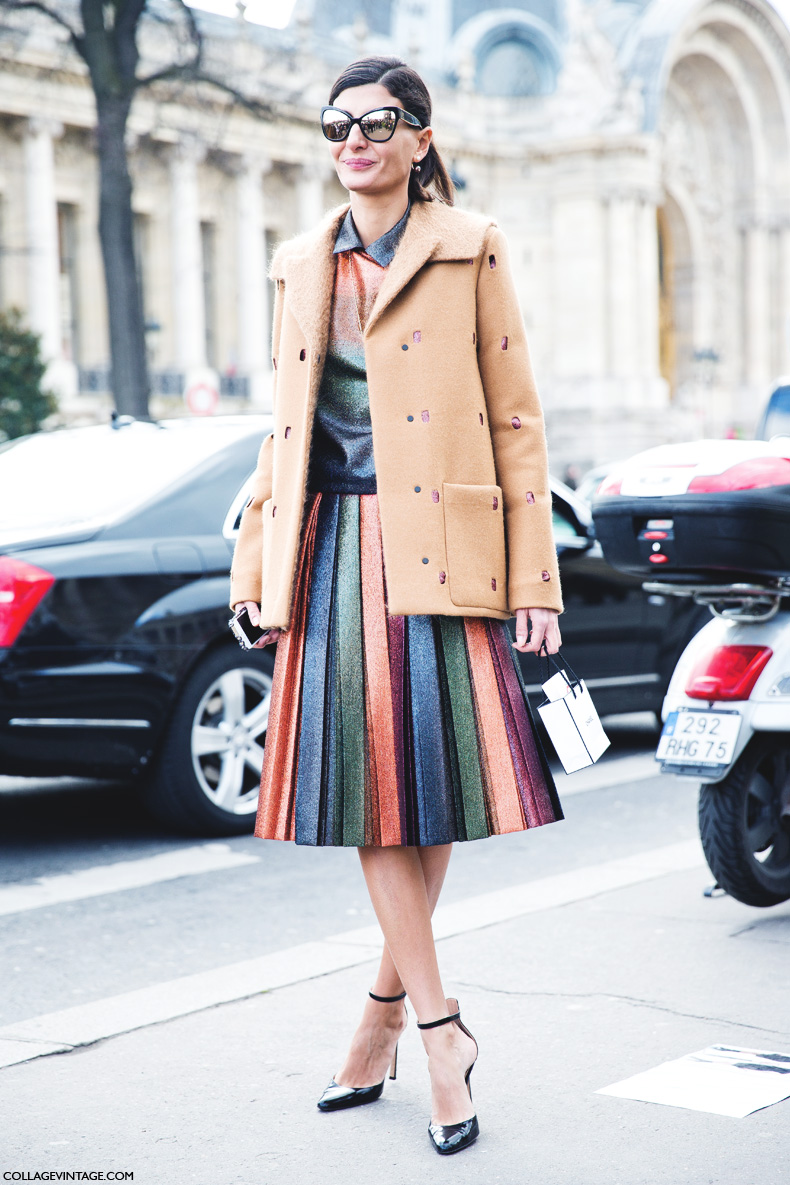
550, 660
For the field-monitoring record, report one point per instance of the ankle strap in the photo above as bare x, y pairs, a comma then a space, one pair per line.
445, 1020
386, 999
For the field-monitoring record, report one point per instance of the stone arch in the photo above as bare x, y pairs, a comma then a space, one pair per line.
708, 174
717, 94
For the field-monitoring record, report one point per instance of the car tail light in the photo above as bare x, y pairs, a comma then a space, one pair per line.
22, 586
609, 485
728, 672
754, 474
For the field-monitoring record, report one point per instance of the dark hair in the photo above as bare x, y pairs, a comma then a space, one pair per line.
405, 84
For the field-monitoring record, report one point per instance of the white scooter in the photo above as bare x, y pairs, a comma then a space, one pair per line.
710, 519
726, 724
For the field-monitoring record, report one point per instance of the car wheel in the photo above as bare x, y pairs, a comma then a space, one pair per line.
208, 771
744, 823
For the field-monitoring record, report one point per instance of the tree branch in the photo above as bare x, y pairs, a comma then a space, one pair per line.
38, 6
185, 69
187, 74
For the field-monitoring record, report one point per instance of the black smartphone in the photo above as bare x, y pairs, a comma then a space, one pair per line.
244, 631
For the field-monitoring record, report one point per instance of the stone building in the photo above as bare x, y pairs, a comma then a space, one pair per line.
637, 154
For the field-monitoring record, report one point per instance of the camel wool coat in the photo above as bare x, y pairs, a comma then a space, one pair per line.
458, 436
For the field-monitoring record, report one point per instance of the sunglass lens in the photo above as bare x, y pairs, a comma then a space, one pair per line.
335, 125
379, 125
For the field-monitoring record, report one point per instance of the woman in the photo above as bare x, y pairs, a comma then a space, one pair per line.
400, 514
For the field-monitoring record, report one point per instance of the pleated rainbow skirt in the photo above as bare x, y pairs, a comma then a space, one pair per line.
391, 730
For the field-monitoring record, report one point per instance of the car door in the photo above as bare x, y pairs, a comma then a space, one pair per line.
603, 623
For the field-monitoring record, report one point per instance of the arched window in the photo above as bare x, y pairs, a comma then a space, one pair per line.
515, 66
515, 53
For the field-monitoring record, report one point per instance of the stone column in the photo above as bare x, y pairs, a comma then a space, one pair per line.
632, 292
758, 321
310, 194
580, 301
189, 321
622, 288
253, 296
648, 364
43, 252
784, 299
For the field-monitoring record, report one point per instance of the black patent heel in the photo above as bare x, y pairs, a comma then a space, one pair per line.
453, 1137
338, 1098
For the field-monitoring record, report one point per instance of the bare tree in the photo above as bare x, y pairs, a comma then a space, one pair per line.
105, 34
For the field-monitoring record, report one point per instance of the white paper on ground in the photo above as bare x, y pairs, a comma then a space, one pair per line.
722, 1079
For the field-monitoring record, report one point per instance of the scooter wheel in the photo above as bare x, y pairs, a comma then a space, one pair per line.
744, 824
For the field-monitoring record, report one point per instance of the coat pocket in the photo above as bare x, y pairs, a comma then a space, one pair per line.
474, 537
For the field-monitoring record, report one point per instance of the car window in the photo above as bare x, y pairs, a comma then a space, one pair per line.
563, 527
776, 421
230, 527
85, 476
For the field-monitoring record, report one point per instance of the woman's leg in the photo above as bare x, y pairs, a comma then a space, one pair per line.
397, 888
434, 861
374, 1041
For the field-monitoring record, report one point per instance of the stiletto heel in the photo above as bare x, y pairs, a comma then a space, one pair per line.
452, 1137
337, 1097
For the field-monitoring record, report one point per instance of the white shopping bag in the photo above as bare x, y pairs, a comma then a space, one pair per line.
571, 719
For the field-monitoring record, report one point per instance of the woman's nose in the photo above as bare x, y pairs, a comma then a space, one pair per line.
355, 137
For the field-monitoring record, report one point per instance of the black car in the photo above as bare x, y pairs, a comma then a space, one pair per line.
115, 653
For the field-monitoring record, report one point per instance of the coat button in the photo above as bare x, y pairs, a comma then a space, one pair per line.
404, 346
425, 559
417, 489
410, 418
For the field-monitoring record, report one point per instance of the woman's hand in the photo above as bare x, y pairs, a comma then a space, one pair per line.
544, 625
254, 614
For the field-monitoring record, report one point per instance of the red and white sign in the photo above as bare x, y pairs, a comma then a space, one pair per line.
201, 393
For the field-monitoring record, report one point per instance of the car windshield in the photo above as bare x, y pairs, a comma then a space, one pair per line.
86, 477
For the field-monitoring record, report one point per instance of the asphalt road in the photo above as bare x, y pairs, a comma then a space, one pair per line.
94, 947
719, 977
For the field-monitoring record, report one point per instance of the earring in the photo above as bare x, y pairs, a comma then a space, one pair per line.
415, 166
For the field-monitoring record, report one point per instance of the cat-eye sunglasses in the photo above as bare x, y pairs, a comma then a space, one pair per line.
377, 125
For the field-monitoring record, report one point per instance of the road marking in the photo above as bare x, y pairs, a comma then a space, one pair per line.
58, 1032
125, 874
214, 857
615, 772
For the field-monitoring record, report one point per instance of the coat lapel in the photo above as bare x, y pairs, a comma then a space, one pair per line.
307, 264
420, 239
308, 269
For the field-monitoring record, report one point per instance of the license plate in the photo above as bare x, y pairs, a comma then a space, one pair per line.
698, 738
